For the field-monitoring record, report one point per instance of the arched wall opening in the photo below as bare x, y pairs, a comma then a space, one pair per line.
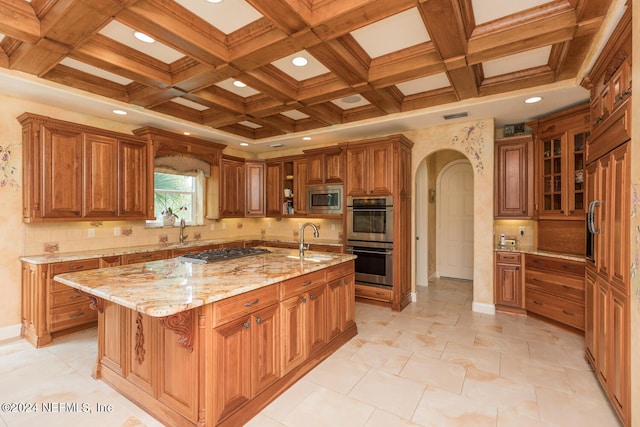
474, 141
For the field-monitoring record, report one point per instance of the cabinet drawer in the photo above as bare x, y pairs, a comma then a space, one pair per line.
372, 292
144, 257
554, 264
301, 284
508, 257
339, 270
240, 305
67, 267
567, 312
65, 297
561, 285
71, 315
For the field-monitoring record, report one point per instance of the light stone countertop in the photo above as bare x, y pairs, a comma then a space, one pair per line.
163, 288
99, 253
532, 250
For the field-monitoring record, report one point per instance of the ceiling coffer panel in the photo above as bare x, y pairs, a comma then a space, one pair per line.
388, 55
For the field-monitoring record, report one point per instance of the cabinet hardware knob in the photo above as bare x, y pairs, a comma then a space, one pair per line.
517, 268
75, 296
258, 320
306, 283
569, 267
76, 212
568, 313
537, 302
566, 287
561, 211
246, 325
310, 297
78, 314
380, 293
304, 299
524, 212
249, 304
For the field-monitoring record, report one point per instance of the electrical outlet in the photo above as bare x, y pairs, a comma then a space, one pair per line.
522, 231
212, 227
91, 232
116, 231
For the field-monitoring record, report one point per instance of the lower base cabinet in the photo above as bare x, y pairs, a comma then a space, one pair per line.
508, 281
220, 364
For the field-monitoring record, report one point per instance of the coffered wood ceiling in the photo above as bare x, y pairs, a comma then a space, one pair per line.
367, 58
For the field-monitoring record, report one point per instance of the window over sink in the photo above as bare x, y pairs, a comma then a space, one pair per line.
178, 194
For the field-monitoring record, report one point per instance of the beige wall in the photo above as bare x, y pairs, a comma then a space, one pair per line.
29, 239
474, 139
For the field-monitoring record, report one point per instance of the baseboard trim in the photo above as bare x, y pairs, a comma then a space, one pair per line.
10, 332
414, 296
481, 307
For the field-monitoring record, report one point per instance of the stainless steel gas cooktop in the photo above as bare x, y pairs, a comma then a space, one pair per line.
223, 254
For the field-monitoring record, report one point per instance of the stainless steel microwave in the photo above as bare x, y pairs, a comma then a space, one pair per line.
324, 199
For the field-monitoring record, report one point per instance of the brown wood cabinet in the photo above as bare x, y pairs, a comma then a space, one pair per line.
299, 186
232, 187
513, 180
324, 165
221, 363
608, 293
255, 188
554, 288
382, 167
508, 281
49, 308
274, 188
77, 172
560, 147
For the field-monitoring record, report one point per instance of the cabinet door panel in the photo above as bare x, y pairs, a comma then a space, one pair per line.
265, 348
62, 170
512, 182
232, 345
100, 172
255, 206
315, 169
133, 179
619, 217
141, 350
356, 171
380, 169
509, 285
299, 187
619, 368
292, 315
336, 316
316, 327
274, 189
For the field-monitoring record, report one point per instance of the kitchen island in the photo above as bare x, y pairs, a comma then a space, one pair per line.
212, 344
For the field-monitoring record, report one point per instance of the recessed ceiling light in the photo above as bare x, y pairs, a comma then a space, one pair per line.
214, 1
186, 133
143, 37
307, 138
353, 99
299, 61
277, 145
238, 83
120, 112
533, 100
244, 144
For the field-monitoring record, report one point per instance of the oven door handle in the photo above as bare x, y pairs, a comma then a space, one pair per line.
370, 252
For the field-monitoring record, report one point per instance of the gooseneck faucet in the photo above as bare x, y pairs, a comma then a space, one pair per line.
182, 235
316, 234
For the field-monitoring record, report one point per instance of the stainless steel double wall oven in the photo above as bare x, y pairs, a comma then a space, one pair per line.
370, 236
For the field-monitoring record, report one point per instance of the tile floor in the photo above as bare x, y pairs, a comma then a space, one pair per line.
434, 364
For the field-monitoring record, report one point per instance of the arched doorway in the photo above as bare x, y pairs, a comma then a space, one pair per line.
454, 235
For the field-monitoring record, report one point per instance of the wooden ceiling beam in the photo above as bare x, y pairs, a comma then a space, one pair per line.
117, 58
38, 58
345, 58
218, 119
19, 21
177, 27
272, 82
519, 80
444, 23
387, 99
149, 97
222, 100
464, 82
288, 16
327, 113
277, 121
80, 80
429, 99
408, 64
179, 111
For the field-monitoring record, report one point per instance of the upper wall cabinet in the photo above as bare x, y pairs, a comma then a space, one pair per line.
325, 165
76, 172
513, 181
560, 147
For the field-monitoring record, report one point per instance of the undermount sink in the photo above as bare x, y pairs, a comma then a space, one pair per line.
312, 257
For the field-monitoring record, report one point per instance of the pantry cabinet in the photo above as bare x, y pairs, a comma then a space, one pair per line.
232, 187
370, 169
609, 294
75, 172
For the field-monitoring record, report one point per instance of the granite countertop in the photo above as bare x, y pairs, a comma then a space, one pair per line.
163, 288
99, 253
534, 251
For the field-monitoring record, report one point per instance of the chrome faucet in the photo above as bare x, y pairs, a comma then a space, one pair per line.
182, 235
316, 234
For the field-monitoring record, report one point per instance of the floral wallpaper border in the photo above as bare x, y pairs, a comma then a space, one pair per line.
7, 170
472, 140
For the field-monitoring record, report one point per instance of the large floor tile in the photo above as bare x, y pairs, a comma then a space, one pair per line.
324, 408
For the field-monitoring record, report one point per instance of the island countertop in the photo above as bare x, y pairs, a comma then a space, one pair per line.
163, 288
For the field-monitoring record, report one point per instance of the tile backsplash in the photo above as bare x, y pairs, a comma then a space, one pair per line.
511, 230
59, 237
